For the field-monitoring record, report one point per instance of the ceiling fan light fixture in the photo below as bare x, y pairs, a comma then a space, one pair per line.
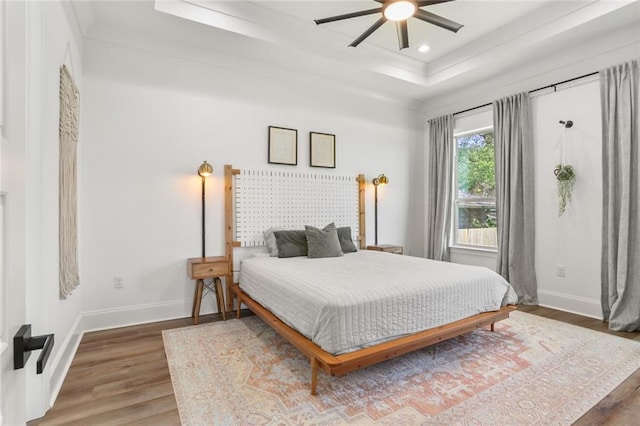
399, 10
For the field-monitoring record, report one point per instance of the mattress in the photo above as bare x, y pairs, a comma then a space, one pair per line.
346, 303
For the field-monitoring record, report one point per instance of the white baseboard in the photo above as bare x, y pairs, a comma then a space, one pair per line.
104, 319
570, 303
61, 364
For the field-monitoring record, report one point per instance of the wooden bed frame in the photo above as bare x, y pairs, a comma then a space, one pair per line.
337, 365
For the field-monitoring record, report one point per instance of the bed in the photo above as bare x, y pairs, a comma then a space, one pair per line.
355, 310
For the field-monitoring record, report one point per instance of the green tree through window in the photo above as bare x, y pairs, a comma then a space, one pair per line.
476, 167
476, 189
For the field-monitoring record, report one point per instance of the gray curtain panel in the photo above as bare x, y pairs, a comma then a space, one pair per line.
515, 195
620, 201
440, 187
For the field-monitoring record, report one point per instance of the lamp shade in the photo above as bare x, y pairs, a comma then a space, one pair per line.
205, 169
381, 180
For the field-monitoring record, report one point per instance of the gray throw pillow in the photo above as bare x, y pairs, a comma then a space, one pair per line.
291, 243
346, 242
270, 240
323, 242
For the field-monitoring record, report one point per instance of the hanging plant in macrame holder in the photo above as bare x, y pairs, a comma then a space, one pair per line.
566, 177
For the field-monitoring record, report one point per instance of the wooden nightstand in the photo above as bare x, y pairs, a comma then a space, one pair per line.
201, 269
389, 248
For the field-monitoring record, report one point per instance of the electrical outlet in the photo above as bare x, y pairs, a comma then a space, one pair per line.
118, 282
561, 271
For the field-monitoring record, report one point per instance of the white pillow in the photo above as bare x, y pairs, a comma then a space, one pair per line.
260, 254
270, 240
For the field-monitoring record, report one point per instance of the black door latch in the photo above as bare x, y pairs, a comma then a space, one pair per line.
24, 343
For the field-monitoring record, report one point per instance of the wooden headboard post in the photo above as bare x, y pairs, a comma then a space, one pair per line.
230, 243
361, 216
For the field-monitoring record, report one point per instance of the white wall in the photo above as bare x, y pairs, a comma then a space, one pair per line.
574, 239
30, 179
61, 44
151, 119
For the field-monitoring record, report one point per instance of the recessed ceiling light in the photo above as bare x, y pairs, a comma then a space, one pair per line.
424, 48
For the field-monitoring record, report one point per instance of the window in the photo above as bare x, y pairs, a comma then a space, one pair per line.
475, 195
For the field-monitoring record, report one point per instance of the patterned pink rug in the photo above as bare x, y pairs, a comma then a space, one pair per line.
532, 370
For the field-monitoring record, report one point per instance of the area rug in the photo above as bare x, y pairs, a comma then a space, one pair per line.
531, 370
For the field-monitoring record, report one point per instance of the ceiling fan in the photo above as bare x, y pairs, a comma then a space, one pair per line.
398, 11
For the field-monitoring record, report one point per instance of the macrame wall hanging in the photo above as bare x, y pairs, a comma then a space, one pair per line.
68, 205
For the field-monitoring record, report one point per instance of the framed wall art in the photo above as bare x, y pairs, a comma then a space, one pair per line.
283, 146
322, 147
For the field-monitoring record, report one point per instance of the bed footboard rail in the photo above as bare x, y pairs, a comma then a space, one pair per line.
372, 355
337, 365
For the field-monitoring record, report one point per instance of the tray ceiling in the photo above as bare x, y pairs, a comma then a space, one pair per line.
281, 35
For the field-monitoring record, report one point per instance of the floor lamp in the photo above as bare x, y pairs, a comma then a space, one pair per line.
205, 170
380, 180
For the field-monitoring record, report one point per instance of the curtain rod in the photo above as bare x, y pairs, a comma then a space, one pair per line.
534, 90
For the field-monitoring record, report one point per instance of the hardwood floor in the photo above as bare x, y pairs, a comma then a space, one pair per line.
121, 376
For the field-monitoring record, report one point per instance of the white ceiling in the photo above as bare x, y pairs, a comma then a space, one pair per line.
280, 39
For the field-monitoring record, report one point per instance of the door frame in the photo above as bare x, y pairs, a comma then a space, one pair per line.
4, 339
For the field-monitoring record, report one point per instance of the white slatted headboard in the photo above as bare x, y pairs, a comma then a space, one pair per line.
267, 198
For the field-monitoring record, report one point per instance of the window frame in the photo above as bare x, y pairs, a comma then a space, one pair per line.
455, 201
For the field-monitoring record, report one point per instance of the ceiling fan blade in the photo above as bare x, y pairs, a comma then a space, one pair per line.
437, 20
403, 34
429, 3
348, 16
368, 32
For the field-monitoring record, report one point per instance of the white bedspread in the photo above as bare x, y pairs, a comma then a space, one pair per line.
346, 303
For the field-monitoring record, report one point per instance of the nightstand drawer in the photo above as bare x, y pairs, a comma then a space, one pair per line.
207, 270
207, 267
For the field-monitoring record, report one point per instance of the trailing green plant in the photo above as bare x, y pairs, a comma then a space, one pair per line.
566, 177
